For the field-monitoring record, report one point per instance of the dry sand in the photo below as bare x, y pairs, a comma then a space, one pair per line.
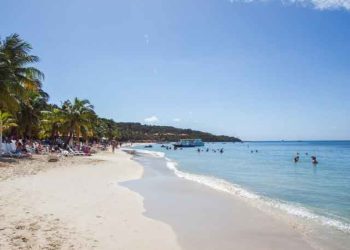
77, 204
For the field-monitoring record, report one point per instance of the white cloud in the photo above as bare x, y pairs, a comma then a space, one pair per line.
151, 120
177, 120
317, 4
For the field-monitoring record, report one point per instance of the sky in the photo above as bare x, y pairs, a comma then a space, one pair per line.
258, 70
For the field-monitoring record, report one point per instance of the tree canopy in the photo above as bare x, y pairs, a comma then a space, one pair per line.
26, 113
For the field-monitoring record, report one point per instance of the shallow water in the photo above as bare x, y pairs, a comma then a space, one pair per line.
316, 192
204, 218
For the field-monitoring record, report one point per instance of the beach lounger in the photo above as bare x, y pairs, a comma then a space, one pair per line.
65, 152
75, 152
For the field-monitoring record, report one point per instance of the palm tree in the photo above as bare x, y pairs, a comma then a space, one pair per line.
79, 117
30, 114
6, 122
51, 124
16, 74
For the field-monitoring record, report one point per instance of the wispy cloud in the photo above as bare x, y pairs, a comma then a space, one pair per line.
177, 120
317, 4
151, 120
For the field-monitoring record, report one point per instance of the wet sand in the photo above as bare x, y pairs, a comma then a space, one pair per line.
204, 218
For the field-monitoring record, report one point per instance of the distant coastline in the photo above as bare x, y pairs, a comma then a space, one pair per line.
132, 131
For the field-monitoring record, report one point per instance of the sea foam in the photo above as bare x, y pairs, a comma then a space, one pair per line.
234, 189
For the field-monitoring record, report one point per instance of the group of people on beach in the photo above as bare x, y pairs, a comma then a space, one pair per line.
26, 148
21, 147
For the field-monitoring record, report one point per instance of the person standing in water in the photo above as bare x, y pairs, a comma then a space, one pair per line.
296, 158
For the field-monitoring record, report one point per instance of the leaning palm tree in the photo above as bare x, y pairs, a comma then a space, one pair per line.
6, 122
78, 118
16, 74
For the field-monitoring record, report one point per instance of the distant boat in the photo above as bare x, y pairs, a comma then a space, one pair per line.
148, 146
189, 143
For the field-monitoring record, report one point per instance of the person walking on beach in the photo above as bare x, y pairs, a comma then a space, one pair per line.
113, 145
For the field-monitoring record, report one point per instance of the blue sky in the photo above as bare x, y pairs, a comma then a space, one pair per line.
257, 70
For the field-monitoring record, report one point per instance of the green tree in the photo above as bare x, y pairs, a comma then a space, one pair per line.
30, 113
78, 118
51, 124
17, 76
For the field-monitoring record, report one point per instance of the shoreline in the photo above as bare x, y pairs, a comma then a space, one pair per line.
284, 209
124, 201
222, 185
314, 236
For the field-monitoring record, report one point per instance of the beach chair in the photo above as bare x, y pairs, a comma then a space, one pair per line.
65, 152
75, 152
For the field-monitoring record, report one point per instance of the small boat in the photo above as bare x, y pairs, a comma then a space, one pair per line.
148, 146
189, 143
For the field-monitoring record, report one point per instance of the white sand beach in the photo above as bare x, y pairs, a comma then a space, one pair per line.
100, 203
79, 206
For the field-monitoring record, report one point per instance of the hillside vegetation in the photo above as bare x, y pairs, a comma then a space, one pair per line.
140, 132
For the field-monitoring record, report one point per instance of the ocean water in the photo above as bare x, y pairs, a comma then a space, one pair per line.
315, 192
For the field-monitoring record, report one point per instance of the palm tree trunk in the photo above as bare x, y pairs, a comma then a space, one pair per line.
70, 135
52, 136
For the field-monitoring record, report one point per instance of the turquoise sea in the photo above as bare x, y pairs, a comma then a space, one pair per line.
266, 171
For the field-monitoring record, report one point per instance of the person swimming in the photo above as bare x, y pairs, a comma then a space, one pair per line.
296, 158
198, 150
221, 150
314, 160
